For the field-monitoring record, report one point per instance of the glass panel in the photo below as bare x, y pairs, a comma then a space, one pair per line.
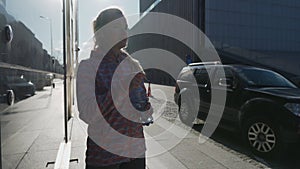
264, 33
201, 76
30, 68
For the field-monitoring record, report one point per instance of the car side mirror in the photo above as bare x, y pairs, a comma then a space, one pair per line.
225, 82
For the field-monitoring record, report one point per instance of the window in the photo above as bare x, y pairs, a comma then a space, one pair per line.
229, 75
202, 76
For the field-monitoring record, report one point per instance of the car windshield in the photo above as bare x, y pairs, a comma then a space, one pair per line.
264, 78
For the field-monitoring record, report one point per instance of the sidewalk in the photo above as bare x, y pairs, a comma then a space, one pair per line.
182, 149
171, 147
33, 130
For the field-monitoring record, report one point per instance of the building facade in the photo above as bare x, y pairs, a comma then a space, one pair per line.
264, 33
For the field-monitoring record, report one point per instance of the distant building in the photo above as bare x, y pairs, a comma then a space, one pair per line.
24, 49
264, 33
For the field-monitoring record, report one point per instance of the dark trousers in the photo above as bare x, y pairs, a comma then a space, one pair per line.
139, 163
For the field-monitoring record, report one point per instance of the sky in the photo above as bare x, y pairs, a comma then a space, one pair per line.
29, 12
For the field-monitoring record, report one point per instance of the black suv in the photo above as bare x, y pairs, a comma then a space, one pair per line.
261, 104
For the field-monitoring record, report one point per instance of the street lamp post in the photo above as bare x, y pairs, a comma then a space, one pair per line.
51, 37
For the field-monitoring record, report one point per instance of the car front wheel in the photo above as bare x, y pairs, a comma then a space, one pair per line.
262, 136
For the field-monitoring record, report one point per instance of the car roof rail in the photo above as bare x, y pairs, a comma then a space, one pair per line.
205, 63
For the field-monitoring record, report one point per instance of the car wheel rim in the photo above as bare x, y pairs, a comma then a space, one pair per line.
261, 137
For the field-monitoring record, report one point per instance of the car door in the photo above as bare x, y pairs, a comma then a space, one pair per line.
202, 77
230, 83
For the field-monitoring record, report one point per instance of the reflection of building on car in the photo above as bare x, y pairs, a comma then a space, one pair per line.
19, 86
261, 104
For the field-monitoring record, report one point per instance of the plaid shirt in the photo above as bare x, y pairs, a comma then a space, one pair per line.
96, 155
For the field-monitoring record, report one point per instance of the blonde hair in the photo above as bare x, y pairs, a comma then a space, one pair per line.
106, 16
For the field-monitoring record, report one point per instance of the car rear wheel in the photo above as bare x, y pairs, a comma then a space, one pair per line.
262, 136
186, 113
10, 97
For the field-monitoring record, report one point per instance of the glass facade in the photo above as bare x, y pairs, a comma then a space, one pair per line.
259, 25
23, 56
32, 81
144, 5
266, 32
32, 90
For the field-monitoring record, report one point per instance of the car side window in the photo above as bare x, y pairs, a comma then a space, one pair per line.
185, 74
229, 75
202, 76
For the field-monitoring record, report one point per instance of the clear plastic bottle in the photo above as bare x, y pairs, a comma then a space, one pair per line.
140, 101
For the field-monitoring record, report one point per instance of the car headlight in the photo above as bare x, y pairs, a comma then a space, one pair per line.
294, 108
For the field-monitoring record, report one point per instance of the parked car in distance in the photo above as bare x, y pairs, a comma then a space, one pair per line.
261, 105
48, 79
19, 85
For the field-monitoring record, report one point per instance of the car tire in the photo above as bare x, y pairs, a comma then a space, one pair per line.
262, 136
10, 97
187, 113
